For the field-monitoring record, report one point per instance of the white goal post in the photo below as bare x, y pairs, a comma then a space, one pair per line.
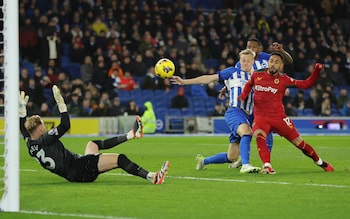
10, 197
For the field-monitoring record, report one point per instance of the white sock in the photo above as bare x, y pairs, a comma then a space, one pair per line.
267, 165
150, 176
319, 162
130, 135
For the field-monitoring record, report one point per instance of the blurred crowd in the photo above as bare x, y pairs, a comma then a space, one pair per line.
114, 44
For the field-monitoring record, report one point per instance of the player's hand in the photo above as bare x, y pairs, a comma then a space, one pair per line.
319, 66
23, 101
276, 46
240, 98
62, 107
176, 80
222, 92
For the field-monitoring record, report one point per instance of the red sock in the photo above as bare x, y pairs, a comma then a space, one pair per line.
263, 150
308, 150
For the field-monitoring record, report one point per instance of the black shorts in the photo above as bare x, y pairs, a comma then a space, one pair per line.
85, 168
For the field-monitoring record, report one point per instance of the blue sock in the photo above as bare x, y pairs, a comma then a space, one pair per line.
269, 141
244, 148
217, 158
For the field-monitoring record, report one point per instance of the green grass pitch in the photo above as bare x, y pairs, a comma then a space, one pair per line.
299, 189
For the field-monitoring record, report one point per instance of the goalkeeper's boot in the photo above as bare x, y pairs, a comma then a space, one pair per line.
138, 128
236, 164
327, 167
267, 169
247, 168
159, 176
200, 162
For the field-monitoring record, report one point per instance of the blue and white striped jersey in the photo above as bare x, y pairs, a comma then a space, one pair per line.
234, 80
260, 62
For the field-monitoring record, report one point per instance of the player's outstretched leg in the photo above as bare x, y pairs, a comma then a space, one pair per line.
326, 166
137, 130
248, 168
159, 176
200, 162
236, 164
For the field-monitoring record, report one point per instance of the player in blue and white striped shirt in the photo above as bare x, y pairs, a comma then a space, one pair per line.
260, 62
238, 115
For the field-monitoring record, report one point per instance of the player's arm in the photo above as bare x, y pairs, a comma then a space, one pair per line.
23, 100
287, 57
310, 81
204, 79
64, 125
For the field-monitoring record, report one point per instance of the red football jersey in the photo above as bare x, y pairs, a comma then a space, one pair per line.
269, 91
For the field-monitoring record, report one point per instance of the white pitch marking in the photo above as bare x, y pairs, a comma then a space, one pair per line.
71, 215
231, 180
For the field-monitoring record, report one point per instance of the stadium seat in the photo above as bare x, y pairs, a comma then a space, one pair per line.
308, 112
299, 112
187, 112
30, 67
66, 47
135, 93
74, 70
211, 63
174, 112
148, 94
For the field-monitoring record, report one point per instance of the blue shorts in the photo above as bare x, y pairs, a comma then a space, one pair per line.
234, 117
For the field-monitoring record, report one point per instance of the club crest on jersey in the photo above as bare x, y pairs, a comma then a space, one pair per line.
276, 81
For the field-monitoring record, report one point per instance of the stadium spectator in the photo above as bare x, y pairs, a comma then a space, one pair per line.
100, 77
132, 108
32, 108
277, 121
152, 82
345, 111
86, 108
116, 109
87, 69
326, 108
76, 167
140, 69
28, 40
127, 82
74, 106
299, 100
149, 119
180, 100
343, 98
50, 49
219, 110
44, 110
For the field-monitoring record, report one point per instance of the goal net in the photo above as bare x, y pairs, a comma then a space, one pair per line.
9, 92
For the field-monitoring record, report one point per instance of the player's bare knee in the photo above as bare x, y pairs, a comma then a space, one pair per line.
259, 133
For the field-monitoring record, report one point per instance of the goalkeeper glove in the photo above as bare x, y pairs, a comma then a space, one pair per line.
23, 100
62, 107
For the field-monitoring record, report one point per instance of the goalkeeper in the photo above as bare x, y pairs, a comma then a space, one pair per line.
49, 151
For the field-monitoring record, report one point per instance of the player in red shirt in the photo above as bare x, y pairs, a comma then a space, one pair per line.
269, 86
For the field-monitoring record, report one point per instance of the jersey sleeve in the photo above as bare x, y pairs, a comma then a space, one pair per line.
23, 129
64, 126
309, 82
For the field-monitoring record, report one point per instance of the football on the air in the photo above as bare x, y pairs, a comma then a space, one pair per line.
164, 68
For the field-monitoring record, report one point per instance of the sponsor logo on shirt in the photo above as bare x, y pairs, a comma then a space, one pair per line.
265, 89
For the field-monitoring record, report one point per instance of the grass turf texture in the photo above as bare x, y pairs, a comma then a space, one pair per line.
298, 189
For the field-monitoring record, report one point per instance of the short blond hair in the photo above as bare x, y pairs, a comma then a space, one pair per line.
247, 52
32, 123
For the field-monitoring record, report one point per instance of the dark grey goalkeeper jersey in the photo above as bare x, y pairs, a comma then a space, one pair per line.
49, 151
